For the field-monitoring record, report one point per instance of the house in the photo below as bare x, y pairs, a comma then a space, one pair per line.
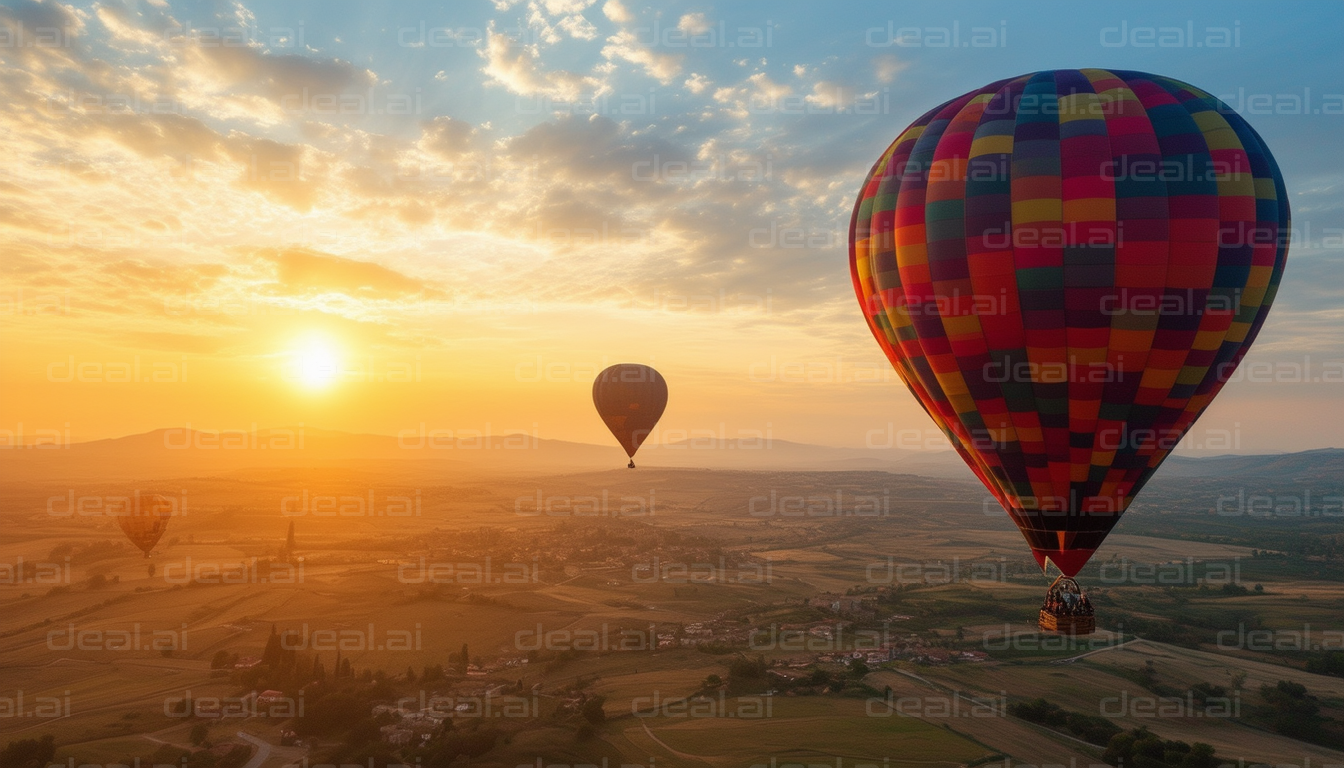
389, 709
427, 718
396, 735
937, 655
843, 603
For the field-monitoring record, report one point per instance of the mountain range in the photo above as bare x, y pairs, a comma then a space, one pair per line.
183, 452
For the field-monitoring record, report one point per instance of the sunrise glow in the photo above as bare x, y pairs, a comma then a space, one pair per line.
316, 364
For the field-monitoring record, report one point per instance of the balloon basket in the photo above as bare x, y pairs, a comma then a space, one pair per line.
1067, 610
631, 465
1068, 625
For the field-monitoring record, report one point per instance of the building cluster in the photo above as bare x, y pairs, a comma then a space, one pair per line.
845, 605
416, 725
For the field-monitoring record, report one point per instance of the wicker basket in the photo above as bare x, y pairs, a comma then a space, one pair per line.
1068, 625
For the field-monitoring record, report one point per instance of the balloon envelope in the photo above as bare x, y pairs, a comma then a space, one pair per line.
1065, 268
145, 520
630, 398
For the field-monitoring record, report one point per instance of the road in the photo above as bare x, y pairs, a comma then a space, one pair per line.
1072, 659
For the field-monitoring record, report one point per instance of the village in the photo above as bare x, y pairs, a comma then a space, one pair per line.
792, 653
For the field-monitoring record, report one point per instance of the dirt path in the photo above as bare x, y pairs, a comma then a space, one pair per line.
1072, 659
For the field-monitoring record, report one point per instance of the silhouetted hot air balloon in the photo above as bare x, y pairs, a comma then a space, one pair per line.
145, 520
1065, 268
630, 398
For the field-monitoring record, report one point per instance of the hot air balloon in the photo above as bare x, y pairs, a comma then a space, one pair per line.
145, 520
1065, 268
630, 398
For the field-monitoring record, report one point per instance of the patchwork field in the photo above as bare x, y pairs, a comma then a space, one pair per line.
696, 630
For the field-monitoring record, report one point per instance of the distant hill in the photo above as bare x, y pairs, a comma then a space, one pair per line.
165, 453
1281, 465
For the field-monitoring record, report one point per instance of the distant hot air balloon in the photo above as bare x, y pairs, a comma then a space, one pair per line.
145, 520
630, 398
1065, 268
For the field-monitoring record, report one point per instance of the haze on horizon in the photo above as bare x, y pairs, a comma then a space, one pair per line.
229, 216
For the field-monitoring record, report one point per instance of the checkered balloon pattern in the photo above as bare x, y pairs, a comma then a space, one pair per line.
1065, 268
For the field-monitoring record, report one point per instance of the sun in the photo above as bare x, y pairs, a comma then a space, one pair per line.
316, 364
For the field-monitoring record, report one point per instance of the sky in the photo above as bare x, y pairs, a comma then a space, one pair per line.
450, 216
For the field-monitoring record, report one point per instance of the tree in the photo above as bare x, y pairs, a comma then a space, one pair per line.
199, 733
712, 681
1141, 747
26, 753
1292, 711
330, 714
410, 674
271, 657
743, 668
592, 710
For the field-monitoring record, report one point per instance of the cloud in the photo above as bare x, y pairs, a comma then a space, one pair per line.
35, 31
625, 45
287, 173
518, 68
596, 149
155, 279
617, 12
286, 79
304, 272
167, 135
832, 95
758, 93
558, 7
693, 24
578, 27
571, 20
769, 88
124, 27
886, 67
42, 23
447, 137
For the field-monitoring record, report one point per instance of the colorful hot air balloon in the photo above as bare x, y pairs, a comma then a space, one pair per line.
145, 520
1065, 268
630, 398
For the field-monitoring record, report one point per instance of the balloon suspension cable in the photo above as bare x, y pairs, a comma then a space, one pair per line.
631, 465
